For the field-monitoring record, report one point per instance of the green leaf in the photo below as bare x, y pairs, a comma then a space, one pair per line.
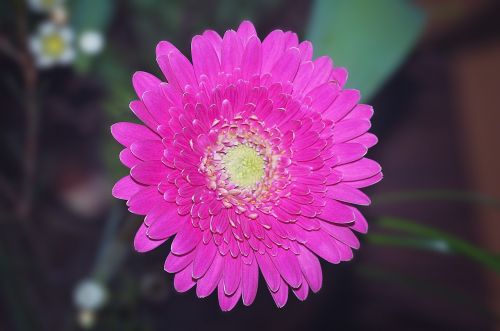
369, 38
90, 14
429, 238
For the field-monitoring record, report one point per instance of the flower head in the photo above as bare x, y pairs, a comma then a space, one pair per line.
52, 45
252, 159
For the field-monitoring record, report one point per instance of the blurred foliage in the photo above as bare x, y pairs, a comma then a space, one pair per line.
370, 38
419, 236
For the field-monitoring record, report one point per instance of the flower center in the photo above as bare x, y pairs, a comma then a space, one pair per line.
244, 165
53, 45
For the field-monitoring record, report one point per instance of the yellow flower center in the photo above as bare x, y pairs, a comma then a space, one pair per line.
53, 45
244, 165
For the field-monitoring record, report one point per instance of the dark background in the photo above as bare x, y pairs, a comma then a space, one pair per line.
437, 117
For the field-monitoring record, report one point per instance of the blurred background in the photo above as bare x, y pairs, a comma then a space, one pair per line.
431, 259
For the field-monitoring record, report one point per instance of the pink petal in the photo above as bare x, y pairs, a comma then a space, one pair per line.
145, 199
175, 263
157, 105
204, 258
281, 296
215, 40
246, 30
349, 129
208, 283
340, 75
323, 96
311, 268
341, 233
228, 302
348, 152
287, 65
363, 112
186, 239
368, 181
205, 59
164, 48
142, 243
323, 67
344, 103
127, 133
144, 81
360, 223
306, 50
249, 282
232, 274
147, 150
346, 193
128, 159
149, 172
361, 169
141, 111
231, 52
251, 61
166, 223
183, 280
288, 266
272, 49
323, 245
303, 76
368, 140
271, 275
125, 188
301, 292
337, 212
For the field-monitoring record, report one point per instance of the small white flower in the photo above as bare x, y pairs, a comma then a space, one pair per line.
91, 42
89, 295
52, 44
44, 5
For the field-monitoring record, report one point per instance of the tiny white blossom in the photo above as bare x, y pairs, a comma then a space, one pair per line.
44, 5
52, 44
91, 42
89, 295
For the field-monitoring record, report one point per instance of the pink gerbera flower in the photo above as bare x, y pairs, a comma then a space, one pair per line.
252, 159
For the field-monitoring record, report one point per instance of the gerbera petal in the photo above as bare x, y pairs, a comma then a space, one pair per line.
142, 243
272, 49
183, 281
205, 59
186, 239
269, 271
361, 169
141, 111
175, 263
127, 133
251, 61
208, 283
125, 188
149, 172
232, 274
249, 282
281, 296
144, 81
288, 266
227, 302
311, 268
346, 193
204, 258
167, 223
141, 202
246, 30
